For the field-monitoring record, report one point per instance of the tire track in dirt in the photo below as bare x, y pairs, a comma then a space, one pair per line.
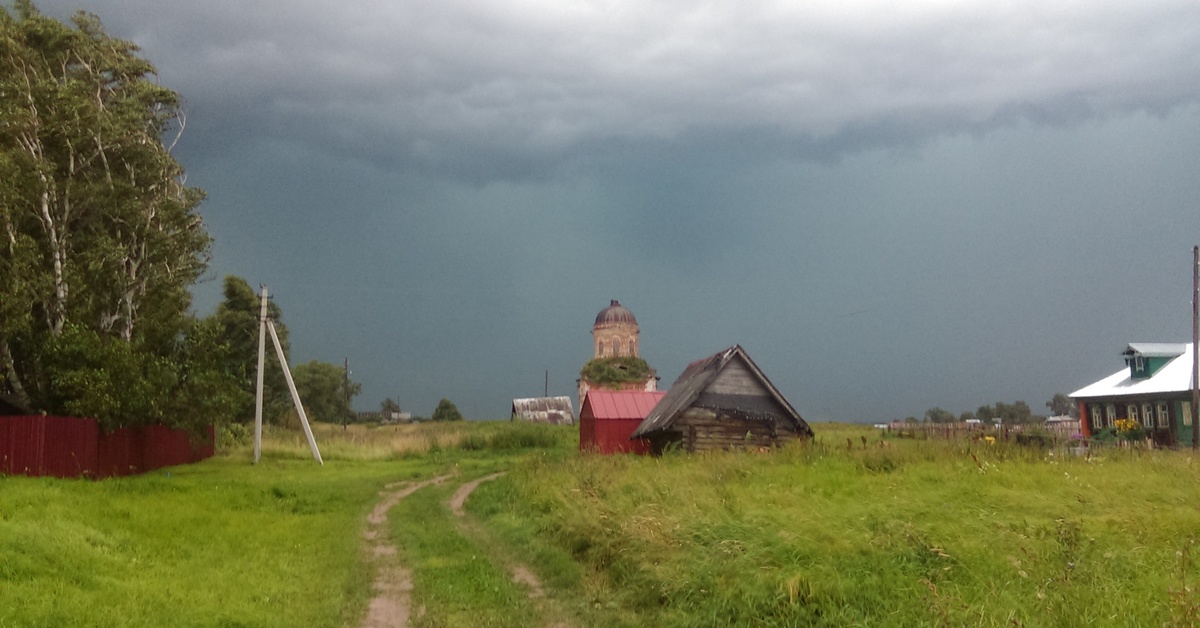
518, 573
391, 605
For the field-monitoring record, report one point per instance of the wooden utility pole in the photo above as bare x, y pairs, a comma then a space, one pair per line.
346, 389
1196, 347
546, 391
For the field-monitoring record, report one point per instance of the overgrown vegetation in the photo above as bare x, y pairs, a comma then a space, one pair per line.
616, 370
853, 533
846, 530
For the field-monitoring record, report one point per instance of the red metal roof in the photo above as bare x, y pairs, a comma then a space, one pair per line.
621, 404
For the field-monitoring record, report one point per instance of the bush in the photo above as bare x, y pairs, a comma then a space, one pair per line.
616, 370
446, 411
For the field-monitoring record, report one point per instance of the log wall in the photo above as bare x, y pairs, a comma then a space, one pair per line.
703, 430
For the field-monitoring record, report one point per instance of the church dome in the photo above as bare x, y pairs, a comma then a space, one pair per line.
615, 313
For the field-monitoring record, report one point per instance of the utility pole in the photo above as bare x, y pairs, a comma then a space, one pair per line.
258, 388
266, 325
546, 392
1196, 347
346, 390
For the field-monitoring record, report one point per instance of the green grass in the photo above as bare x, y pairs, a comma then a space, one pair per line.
904, 533
835, 532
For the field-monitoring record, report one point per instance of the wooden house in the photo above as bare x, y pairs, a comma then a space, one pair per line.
1153, 389
721, 402
608, 418
552, 410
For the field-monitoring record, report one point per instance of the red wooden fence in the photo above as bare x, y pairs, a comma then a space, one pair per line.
68, 447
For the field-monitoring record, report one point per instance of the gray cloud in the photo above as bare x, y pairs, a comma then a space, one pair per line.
891, 206
460, 86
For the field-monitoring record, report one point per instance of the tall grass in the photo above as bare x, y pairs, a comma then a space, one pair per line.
391, 442
886, 532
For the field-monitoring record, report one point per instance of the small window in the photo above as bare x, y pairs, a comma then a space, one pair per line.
1111, 411
1096, 416
616, 347
1164, 417
1147, 415
1132, 413
1187, 412
1139, 364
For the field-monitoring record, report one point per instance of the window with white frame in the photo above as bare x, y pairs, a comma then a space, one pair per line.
1187, 412
1096, 412
1147, 415
1164, 416
1132, 412
1110, 412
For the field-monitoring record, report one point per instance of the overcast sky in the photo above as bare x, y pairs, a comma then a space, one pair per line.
891, 206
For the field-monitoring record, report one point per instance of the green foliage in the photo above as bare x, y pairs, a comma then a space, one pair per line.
1062, 405
515, 436
616, 370
325, 391
938, 415
102, 238
237, 317
446, 411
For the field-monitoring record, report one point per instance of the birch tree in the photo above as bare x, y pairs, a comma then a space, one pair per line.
100, 232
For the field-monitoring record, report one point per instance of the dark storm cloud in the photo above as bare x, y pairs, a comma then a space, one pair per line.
503, 89
890, 205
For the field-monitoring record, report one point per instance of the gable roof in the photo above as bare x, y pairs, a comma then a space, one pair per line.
553, 410
697, 377
1175, 376
1155, 349
619, 404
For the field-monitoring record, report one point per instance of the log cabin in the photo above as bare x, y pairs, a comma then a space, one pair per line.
723, 401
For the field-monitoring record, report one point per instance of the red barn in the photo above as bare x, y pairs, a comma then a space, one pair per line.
608, 418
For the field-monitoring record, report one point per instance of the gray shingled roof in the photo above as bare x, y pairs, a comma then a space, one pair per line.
697, 377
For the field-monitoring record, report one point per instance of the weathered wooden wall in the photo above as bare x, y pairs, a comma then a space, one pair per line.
702, 429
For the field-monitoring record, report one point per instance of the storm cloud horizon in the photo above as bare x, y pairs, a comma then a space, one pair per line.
891, 207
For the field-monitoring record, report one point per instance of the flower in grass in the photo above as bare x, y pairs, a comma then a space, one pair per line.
991, 440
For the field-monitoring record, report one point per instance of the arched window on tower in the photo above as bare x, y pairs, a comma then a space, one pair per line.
632, 347
616, 347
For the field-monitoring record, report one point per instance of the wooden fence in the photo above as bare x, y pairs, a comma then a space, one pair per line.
68, 447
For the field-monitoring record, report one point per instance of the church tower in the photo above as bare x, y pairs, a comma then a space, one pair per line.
615, 333
616, 363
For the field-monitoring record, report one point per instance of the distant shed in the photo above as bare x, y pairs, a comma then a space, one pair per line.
608, 417
723, 401
552, 410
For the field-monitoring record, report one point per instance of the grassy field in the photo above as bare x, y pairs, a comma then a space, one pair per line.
890, 532
895, 532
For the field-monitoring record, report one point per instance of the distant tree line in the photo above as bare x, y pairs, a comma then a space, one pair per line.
1016, 413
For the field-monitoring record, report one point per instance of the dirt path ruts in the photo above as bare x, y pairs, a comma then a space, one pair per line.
390, 607
518, 573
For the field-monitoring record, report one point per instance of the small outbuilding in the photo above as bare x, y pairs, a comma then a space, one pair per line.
608, 418
722, 402
552, 410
